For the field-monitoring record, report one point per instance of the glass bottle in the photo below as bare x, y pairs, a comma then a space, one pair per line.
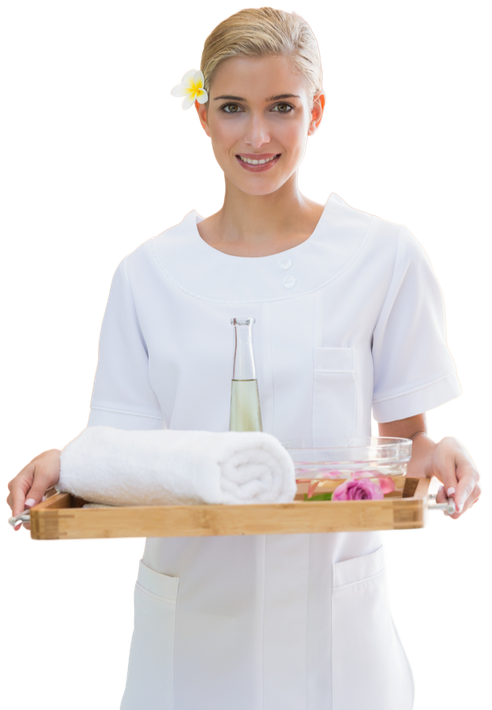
245, 401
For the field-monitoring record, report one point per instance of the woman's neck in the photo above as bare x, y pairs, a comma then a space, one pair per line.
260, 225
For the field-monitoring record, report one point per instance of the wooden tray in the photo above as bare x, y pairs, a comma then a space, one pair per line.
61, 517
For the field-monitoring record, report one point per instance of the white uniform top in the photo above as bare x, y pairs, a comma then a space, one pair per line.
349, 320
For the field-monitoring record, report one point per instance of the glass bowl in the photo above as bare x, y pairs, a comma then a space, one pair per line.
333, 460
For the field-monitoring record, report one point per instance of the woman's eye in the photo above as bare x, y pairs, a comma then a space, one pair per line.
231, 108
283, 108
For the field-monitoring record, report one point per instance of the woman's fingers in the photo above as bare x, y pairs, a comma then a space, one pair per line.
30, 485
47, 473
454, 467
18, 487
468, 489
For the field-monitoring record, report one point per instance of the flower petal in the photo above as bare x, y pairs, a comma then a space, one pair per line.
340, 492
187, 102
189, 75
387, 484
201, 96
176, 91
367, 489
198, 79
184, 84
358, 489
312, 487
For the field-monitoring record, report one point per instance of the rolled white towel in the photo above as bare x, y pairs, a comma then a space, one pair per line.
160, 467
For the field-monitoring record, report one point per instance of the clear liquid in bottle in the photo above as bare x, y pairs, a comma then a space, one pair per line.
245, 406
245, 401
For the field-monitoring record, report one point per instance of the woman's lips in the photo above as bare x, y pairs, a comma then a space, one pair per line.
270, 159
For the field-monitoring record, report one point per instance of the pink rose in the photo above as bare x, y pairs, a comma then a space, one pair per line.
363, 489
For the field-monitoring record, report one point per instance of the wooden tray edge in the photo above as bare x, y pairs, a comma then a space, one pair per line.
62, 517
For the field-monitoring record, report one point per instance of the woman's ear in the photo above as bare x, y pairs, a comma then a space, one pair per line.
202, 111
316, 112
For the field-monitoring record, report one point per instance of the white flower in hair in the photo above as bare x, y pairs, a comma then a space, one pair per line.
191, 88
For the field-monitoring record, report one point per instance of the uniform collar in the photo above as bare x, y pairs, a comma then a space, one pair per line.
209, 274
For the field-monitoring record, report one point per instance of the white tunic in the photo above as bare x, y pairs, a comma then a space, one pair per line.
348, 321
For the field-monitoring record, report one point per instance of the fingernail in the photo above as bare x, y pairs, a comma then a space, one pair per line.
30, 502
459, 507
450, 491
439, 489
17, 526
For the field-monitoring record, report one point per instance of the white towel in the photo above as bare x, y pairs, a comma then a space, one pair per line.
159, 467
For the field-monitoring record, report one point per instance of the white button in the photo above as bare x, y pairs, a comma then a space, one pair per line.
289, 282
285, 263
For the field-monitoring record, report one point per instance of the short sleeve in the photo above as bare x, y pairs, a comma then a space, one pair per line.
122, 396
413, 368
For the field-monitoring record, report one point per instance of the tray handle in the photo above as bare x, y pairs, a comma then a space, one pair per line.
449, 506
23, 517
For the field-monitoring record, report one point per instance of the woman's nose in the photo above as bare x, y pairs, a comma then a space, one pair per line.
257, 133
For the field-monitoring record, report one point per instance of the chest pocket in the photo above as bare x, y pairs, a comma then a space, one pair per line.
334, 392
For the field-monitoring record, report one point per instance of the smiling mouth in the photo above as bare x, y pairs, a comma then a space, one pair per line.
261, 161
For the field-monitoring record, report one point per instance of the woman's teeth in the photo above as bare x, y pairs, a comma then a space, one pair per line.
257, 162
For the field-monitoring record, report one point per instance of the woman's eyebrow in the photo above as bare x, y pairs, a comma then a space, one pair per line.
272, 98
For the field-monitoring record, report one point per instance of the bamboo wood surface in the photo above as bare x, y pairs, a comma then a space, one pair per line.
63, 517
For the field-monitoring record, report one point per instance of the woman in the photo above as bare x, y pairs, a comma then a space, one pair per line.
349, 320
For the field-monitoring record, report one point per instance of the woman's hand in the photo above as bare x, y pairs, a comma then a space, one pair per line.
30, 485
448, 461
451, 463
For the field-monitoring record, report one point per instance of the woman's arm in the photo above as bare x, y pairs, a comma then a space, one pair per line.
448, 460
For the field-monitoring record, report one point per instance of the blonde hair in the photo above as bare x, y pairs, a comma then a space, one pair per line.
259, 32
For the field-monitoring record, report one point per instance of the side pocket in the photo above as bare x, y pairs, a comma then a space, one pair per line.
370, 669
150, 679
333, 392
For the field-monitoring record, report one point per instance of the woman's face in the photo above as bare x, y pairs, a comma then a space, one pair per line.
259, 110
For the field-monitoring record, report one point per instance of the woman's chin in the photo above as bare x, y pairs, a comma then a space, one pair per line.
259, 186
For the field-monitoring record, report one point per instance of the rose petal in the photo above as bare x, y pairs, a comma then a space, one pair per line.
359, 489
387, 484
340, 492
373, 490
333, 473
311, 488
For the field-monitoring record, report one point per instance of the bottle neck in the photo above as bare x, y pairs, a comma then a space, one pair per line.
244, 362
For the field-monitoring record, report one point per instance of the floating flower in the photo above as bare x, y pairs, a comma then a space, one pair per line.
191, 88
324, 475
363, 489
